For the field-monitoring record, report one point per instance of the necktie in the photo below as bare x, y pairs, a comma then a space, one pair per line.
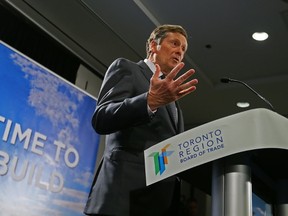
173, 109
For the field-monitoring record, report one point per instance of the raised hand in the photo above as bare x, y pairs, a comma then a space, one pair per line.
169, 89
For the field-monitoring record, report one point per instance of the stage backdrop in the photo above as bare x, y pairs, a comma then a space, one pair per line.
48, 147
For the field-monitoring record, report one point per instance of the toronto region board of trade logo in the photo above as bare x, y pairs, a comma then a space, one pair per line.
161, 159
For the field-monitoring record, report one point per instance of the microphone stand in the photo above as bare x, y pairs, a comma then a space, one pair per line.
227, 80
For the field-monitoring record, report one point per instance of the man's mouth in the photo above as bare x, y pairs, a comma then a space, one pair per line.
176, 60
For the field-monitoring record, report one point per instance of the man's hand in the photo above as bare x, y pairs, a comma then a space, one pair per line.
167, 90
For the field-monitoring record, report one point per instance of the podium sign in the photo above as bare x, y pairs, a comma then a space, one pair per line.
245, 131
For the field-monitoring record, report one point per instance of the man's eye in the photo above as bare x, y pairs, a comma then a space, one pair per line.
174, 43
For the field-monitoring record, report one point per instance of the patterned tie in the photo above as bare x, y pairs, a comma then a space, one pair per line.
172, 107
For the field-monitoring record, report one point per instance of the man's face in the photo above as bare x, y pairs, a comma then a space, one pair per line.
171, 51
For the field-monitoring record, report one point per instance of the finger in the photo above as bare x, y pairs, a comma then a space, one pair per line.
157, 71
188, 87
184, 77
175, 71
187, 91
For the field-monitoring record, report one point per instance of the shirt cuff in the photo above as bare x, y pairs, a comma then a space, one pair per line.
151, 112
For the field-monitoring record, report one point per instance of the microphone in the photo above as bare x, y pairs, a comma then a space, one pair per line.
227, 80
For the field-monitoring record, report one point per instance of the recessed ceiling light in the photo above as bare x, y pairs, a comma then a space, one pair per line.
243, 104
260, 36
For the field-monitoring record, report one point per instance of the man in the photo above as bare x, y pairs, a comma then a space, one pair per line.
134, 110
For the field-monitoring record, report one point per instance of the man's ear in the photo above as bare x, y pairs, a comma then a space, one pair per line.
158, 47
154, 46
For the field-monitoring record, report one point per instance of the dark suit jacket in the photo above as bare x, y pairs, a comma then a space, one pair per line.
121, 112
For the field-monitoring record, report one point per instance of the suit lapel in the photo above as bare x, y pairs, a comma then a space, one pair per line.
145, 70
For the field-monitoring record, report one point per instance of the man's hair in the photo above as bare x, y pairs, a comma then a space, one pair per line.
160, 33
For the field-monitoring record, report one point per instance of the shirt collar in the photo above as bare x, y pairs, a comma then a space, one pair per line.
151, 65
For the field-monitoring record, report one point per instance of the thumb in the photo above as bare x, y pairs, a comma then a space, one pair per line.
157, 71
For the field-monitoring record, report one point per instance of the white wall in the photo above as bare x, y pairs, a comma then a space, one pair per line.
91, 84
88, 81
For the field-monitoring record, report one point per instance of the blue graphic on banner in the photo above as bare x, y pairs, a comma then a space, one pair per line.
48, 147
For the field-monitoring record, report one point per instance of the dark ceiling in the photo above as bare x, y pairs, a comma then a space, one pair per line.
220, 44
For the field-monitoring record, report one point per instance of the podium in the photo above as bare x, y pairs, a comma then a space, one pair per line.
228, 158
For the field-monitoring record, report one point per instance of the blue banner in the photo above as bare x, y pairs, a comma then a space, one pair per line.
48, 148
